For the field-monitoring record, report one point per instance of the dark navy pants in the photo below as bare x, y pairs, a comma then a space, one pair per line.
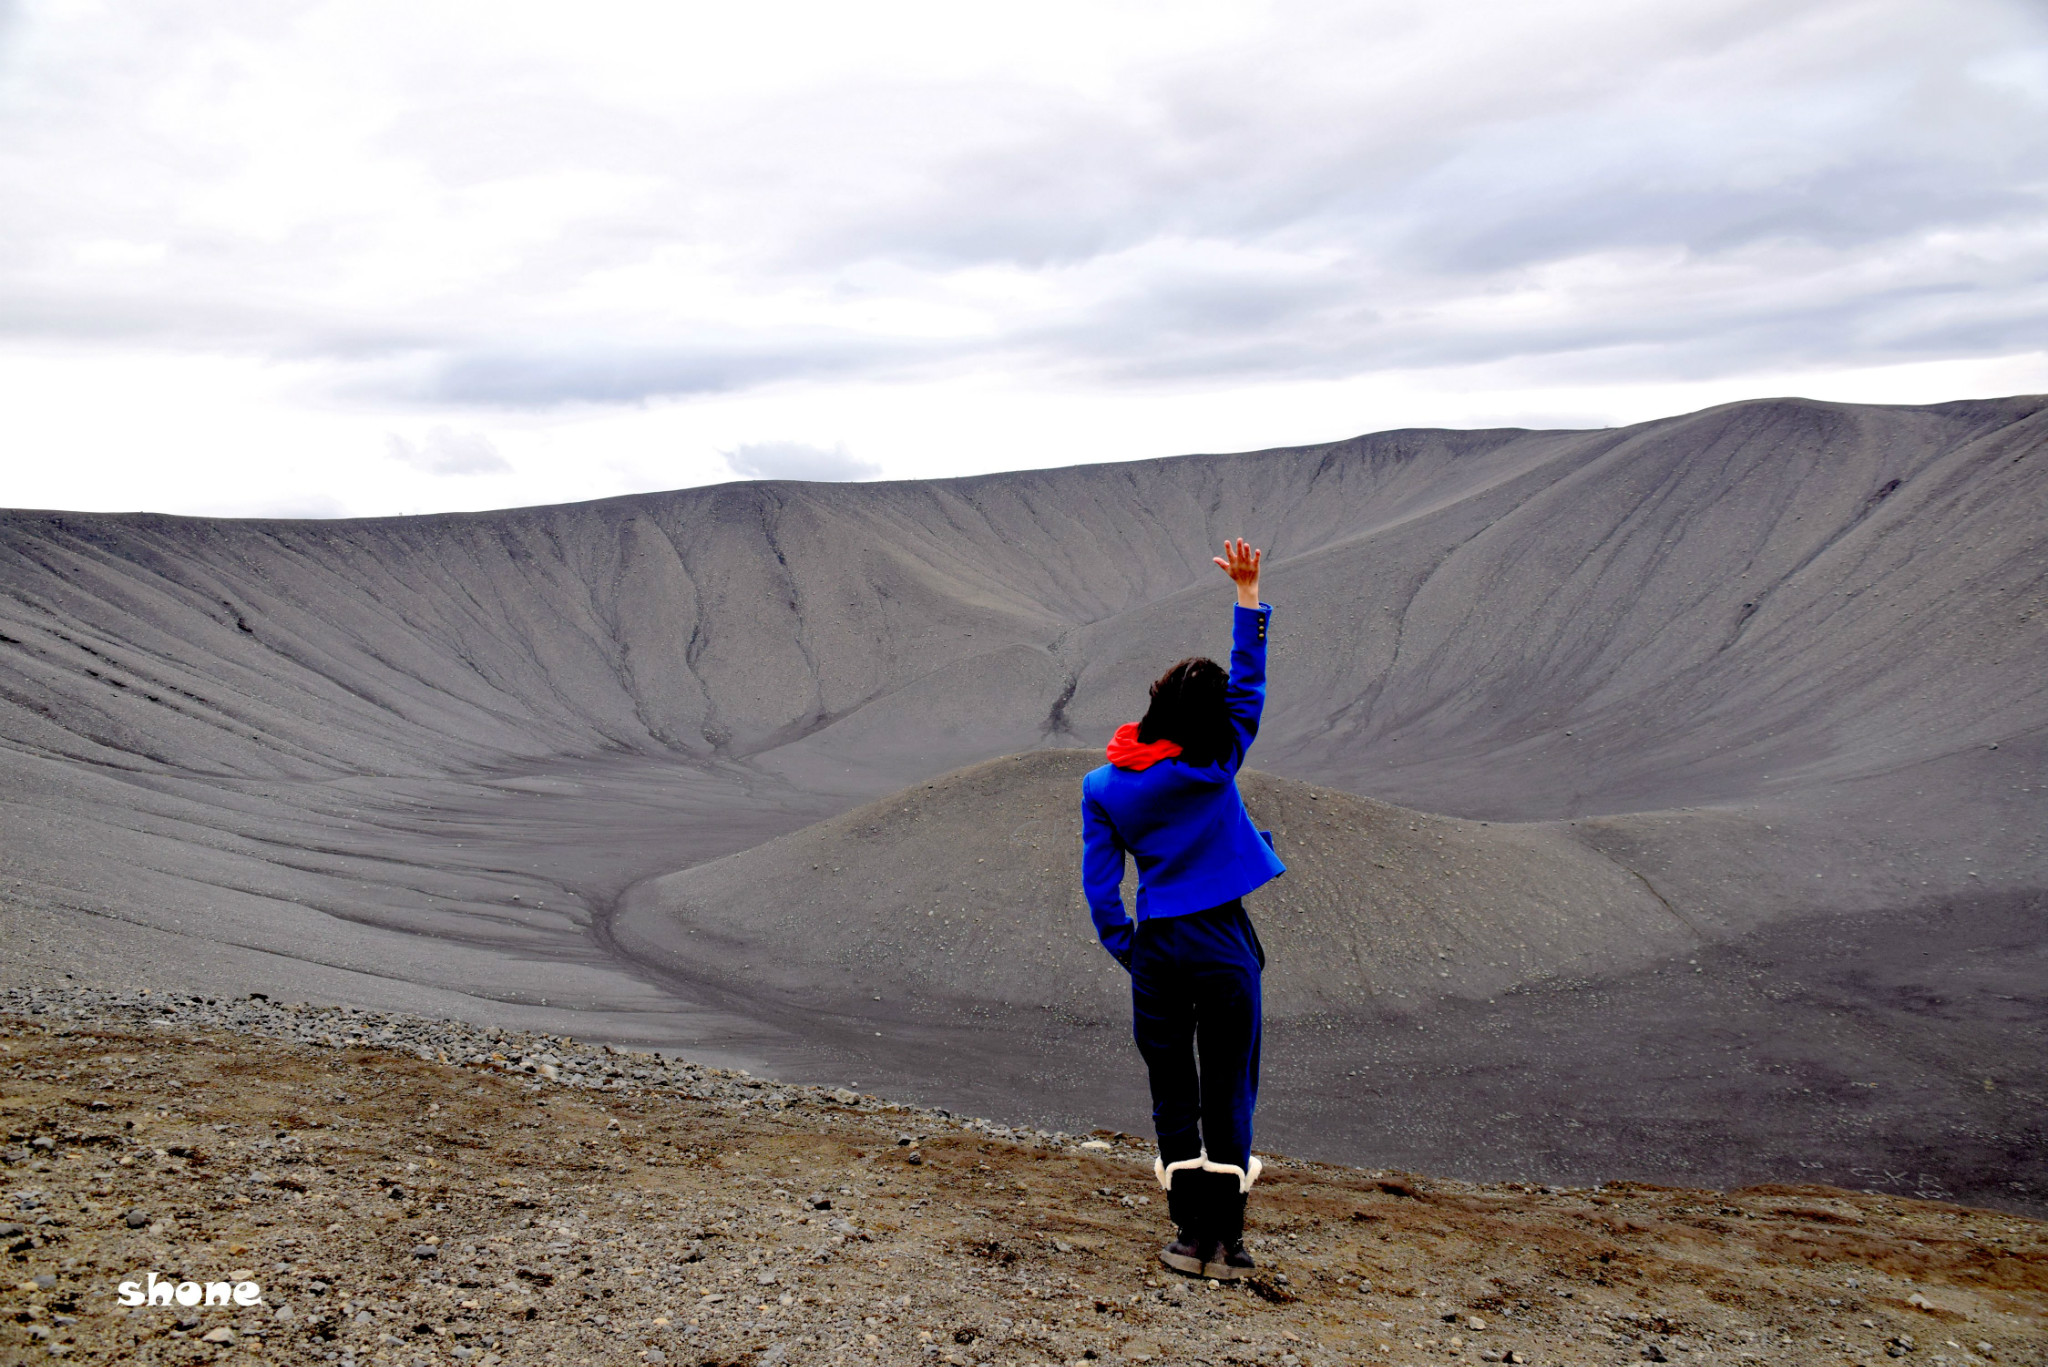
1195, 1010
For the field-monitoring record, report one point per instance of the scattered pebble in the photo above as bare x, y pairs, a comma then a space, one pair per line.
404, 1193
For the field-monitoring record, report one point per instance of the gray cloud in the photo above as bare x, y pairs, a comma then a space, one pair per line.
1627, 187
795, 460
443, 451
607, 371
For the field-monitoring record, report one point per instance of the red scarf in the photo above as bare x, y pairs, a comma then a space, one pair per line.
1126, 751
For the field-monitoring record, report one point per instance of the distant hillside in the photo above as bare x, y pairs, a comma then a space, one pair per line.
1757, 598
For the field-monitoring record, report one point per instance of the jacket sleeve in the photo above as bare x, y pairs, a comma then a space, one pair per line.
1245, 696
1102, 879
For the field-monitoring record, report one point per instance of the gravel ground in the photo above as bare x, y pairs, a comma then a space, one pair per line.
407, 1191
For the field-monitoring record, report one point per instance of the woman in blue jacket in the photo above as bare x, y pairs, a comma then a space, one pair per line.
1168, 797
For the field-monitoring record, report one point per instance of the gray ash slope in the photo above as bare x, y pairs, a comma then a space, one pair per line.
1762, 654
960, 893
1745, 599
1504, 999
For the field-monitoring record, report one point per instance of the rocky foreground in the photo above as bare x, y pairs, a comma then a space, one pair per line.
410, 1191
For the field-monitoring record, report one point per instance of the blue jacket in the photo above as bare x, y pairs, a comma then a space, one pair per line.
1186, 826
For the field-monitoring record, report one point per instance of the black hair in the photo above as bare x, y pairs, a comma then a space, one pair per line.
1188, 708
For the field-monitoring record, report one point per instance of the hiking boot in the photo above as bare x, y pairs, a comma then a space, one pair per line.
1192, 1256
1228, 1263
1188, 1202
1227, 1259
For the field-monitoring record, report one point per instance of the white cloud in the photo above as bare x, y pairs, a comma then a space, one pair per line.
443, 451
794, 460
715, 221
295, 506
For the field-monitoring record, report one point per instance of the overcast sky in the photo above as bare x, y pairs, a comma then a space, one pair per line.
346, 258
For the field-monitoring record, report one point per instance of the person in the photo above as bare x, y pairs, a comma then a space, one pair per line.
1168, 798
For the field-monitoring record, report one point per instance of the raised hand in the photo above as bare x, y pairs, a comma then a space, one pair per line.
1240, 561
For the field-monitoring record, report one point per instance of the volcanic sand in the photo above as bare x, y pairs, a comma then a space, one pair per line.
388, 1203
1761, 684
